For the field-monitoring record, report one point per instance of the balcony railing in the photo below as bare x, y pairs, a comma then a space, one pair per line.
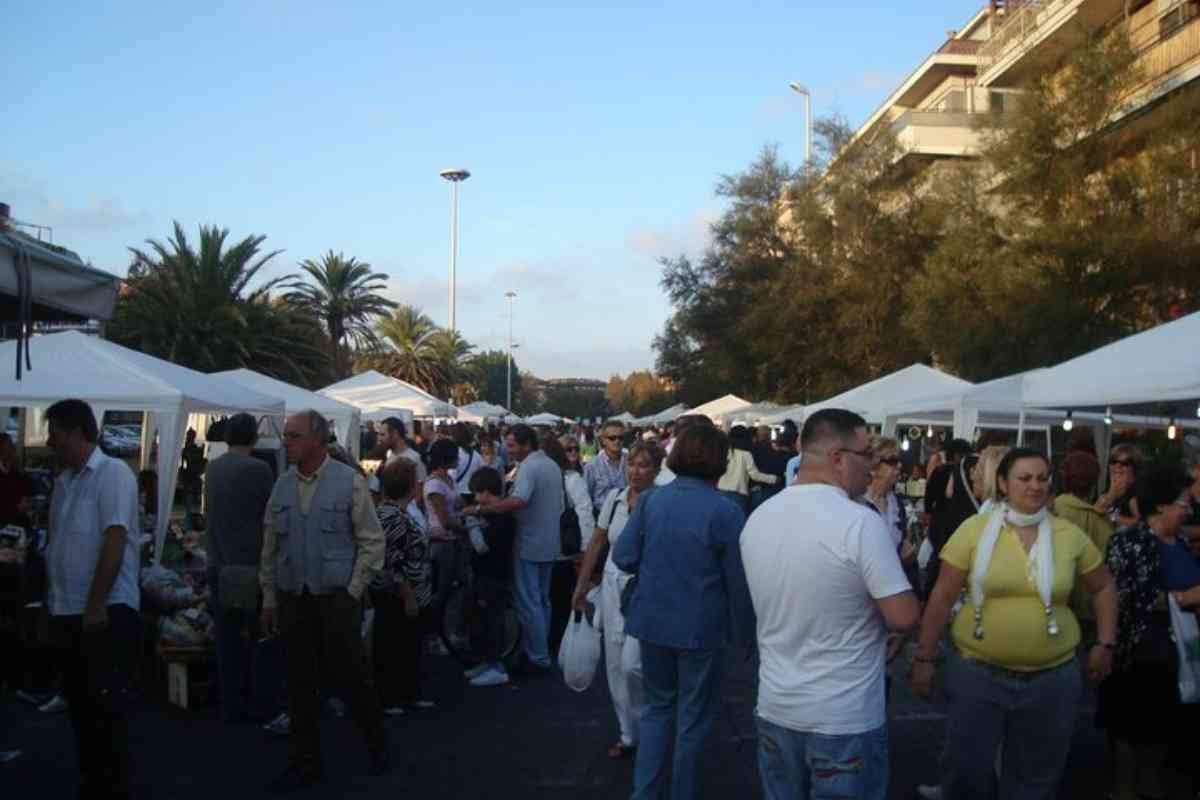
943, 133
1162, 50
1020, 24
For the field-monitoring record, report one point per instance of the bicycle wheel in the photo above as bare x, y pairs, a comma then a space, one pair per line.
456, 622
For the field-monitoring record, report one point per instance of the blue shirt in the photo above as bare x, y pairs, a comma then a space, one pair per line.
602, 476
789, 474
540, 484
682, 540
1180, 570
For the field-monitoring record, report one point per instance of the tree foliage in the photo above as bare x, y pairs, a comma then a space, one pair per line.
641, 393
194, 306
1075, 227
344, 293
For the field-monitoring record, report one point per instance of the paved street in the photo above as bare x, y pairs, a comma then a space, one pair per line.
536, 739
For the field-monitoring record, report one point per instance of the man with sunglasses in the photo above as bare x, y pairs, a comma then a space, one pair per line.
827, 586
606, 471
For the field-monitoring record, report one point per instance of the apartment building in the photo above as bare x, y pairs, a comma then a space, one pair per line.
934, 116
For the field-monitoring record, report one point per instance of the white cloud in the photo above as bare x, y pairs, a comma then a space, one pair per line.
690, 238
31, 201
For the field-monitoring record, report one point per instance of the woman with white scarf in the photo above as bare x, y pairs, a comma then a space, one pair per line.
1011, 675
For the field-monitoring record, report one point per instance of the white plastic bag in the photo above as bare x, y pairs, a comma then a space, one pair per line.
1187, 643
925, 553
579, 653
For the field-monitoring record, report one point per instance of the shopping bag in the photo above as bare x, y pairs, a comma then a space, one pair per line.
1187, 643
579, 653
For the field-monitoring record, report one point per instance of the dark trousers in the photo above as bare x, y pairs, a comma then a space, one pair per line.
96, 685
562, 586
396, 650
321, 634
236, 634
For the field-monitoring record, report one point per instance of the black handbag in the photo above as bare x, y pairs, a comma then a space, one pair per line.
570, 537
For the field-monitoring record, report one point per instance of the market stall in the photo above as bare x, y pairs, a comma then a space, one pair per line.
721, 405
114, 378
343, 416
371, 391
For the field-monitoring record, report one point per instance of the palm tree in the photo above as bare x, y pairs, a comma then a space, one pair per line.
453, 354
343, 294
191, 306
407, 348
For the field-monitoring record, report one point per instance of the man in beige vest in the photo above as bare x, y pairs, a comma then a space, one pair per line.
322, 544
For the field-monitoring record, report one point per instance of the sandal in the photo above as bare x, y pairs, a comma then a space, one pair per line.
621, 750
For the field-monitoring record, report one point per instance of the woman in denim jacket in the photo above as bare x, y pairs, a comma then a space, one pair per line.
690, 601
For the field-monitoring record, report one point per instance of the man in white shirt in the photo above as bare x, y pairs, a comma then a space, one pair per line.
827, 586
397, 443
93, 594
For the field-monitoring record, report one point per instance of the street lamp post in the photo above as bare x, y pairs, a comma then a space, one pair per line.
510, 295
800, 88
455, 176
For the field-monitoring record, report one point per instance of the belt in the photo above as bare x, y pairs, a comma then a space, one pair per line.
1015, 675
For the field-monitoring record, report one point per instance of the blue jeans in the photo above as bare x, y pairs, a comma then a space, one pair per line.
531, 596
682, 695
813, 766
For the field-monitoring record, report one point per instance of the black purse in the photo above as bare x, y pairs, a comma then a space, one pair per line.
570, 537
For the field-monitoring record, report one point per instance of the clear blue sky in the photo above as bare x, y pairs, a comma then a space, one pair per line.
595, 134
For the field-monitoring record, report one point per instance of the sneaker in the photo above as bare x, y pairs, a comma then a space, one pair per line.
394, 711
32, 698
490, 677
477, 670
930, 792
337, 707
9, 755
280, 726
56, 705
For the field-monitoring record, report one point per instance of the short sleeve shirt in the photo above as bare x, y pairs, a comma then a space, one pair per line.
540, 484
1014, 622
86, 503
435, 485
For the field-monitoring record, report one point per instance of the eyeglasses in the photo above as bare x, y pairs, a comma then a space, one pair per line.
1120, 462
612, 438
292, 435
891, 462
571, 449
866, 453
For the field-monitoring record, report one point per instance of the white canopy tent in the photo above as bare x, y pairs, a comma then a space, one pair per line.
753, 414
873, 400
722, 405
1155, 366
343, 416
113, 378
1000, 404
545, 418
669, 415
794, 413
481, 411
626, 418
371, 391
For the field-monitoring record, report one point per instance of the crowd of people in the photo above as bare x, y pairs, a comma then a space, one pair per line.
823, 554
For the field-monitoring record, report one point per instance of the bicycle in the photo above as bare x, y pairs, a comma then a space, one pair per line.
478, 622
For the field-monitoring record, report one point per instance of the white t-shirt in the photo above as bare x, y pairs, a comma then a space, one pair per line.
816, 562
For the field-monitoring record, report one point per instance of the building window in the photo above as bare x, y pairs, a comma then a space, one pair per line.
954, 101
997, 102
1172, 21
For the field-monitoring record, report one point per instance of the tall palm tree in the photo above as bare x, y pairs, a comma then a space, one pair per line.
192, 305
407, 348
344, 294
453, 354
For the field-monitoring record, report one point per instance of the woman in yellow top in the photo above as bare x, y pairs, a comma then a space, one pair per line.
1012, 677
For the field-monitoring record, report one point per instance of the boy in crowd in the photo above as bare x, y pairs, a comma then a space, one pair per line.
491, 538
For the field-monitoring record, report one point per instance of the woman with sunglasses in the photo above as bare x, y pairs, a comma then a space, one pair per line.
881, 494
1139, 704
1120, 501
